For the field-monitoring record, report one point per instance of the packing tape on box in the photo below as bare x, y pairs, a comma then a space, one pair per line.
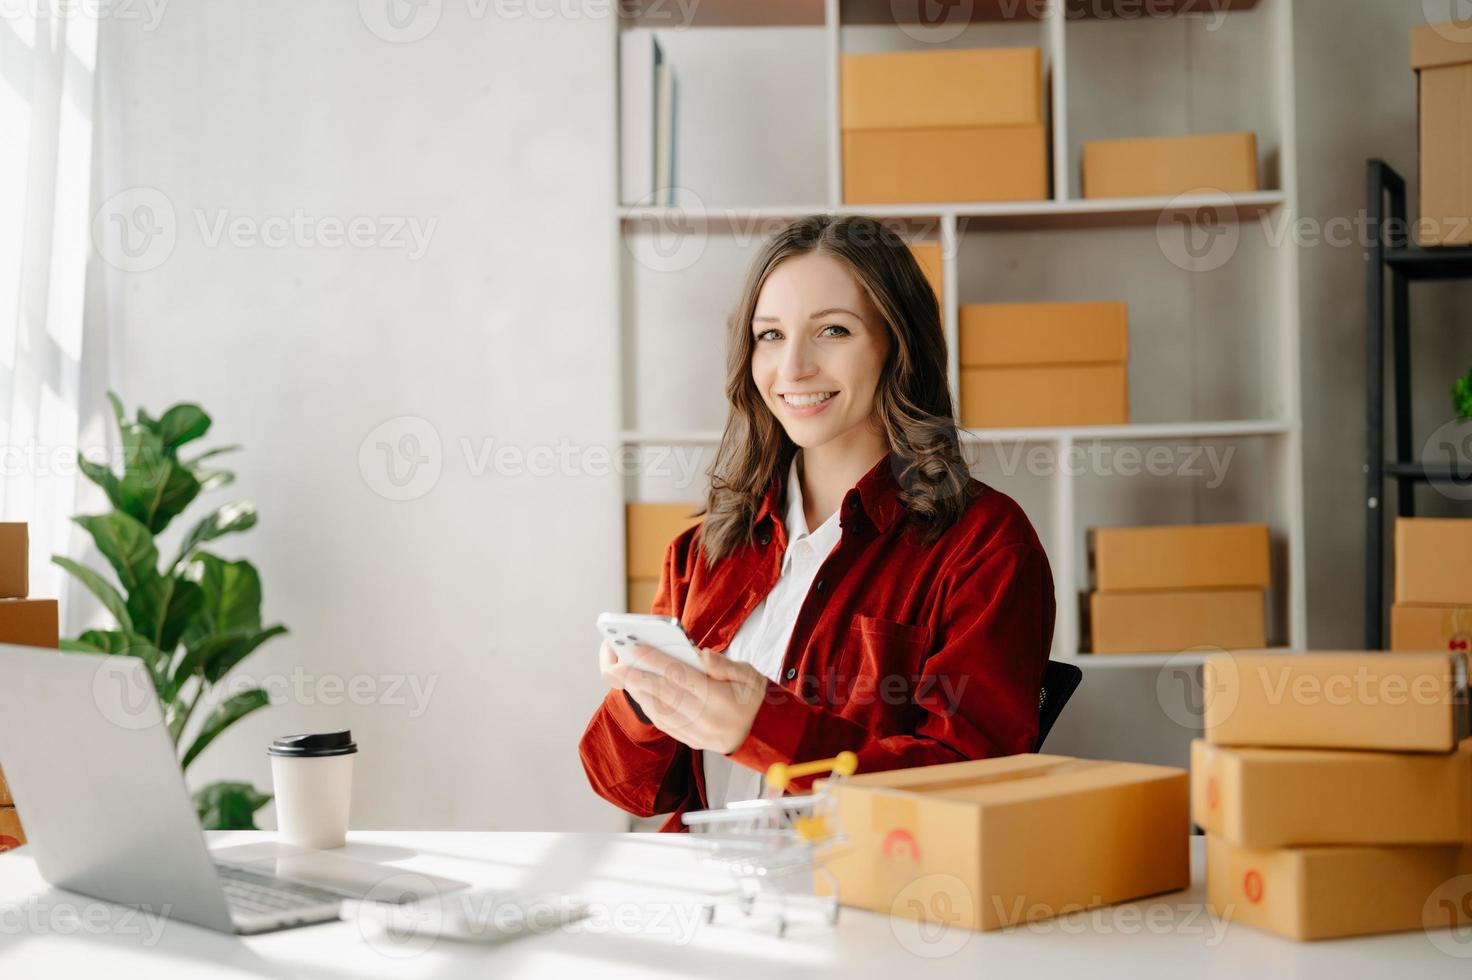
1031, 772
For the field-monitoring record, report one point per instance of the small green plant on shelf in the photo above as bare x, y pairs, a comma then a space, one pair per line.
195, 617
1462, 396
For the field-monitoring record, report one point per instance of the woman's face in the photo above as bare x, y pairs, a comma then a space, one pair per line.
818, 348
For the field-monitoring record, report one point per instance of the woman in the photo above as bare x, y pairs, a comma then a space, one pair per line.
851, 587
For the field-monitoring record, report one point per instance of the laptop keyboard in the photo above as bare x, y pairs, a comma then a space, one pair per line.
257, 893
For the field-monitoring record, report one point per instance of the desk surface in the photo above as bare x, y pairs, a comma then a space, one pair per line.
645, 891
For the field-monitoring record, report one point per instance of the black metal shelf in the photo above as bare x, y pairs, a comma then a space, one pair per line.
1389, 250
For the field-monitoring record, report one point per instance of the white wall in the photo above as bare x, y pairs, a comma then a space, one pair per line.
500, 131
1356, 100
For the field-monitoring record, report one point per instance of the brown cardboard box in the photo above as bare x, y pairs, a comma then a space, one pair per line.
996, 334
1172, 165
14, 560
11, 834
1433, 560
1294, 797
1000, 841
1442, 57
1411, 702
1180, 556
916, 89
29, 622
1324, 892
1431, 628
927, 255
649, 529
1031, 395
1171, 621
975, 163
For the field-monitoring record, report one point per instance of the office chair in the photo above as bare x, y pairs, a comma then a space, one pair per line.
1060, 680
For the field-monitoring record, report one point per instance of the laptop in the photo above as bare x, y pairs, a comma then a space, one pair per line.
107, 814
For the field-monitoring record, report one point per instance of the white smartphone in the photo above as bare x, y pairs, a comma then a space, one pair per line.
664, 633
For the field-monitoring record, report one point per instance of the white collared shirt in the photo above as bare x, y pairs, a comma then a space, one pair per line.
762, 639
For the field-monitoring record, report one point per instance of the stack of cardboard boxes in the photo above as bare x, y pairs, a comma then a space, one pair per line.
928, 257
928, 126
1170, 166
1433, 585
648, 530
26, 622
1441, 54
1171, 588
1030, 364
1336, 792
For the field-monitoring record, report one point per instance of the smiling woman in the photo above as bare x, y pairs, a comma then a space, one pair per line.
851, 586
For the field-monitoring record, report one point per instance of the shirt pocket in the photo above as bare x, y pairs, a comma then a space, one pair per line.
879, 669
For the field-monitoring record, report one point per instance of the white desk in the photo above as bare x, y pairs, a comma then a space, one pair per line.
646, 888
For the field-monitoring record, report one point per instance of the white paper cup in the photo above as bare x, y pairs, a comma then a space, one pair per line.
312, 777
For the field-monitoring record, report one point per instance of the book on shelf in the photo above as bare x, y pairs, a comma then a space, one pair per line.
647, 119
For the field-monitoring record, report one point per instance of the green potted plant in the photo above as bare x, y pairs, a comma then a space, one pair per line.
1462, 396
191, 618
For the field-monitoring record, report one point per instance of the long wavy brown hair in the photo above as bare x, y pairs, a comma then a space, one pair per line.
912, 401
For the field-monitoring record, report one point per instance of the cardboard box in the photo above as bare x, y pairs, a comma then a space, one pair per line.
1442, 57
1180, 556
1325, 892
641, 594
1293, 797
916, 166
14, 560
998, 334
29, 622
1171, 621
918, 89
1000, 841
11, 834
1063, 394
1410, 702
1431, 628
1172, 165
648, 530
927, 255
1433, 560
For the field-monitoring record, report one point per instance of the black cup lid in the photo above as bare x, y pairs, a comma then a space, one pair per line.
320, 744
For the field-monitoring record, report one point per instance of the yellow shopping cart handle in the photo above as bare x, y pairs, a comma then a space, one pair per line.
780, 775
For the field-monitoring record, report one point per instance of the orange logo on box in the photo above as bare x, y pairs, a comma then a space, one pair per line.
901, 843
1212, 793
8, 843
1252, 887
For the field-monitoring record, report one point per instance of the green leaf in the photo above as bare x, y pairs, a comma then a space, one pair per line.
182, 423
232, 596
154, 487
1462, 396
117, 408
228, 519
100, 587
211, 453
78, 646
126, 644
185, 599
223, 717
213, 479
218, 654
229, 805
103, 477
126, 544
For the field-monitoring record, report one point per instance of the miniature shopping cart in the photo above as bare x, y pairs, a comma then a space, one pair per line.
764, 843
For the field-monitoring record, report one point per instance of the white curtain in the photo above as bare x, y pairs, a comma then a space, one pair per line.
49, 380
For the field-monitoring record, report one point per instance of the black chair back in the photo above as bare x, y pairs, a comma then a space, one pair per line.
1060, 680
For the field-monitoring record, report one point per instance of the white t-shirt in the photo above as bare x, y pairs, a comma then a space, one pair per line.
762, 639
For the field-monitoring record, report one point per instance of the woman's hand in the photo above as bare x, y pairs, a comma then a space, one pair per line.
613, 672
712, 711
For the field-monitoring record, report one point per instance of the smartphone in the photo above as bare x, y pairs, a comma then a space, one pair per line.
664, 633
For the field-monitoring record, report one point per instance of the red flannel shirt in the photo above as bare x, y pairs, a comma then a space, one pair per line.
905, 654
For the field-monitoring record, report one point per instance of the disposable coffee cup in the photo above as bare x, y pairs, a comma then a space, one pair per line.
313, 780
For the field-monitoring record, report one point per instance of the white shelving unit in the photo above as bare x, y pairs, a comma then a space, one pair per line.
1214, 370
